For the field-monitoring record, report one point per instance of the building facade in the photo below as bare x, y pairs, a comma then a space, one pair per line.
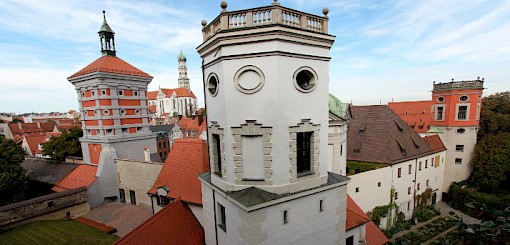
114, 114
266, 83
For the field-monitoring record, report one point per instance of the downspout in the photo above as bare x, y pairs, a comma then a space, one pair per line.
215, 218
414, 186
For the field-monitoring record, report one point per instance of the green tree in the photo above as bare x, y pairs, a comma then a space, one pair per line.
17, 120
495, 116
67, 144
491, 163
13, 178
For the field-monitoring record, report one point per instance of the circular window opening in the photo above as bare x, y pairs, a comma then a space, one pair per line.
440, 99
138, 111
461, 130
122, 112
212, 84
305, 79
464, 98
249, 79
106, 112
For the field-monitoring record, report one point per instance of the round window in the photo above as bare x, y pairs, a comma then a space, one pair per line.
122, 112
305, 79
440, 99
463, 98
212, 84
138, 111
249, 79
106, 112
461, 130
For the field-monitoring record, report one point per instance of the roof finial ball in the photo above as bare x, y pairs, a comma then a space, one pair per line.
325, 11
223, 6
204, 23
275, 2
104, 15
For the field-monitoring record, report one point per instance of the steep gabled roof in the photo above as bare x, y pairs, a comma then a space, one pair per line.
152, 95
180, 92
33, 142
31, 128
47, 171
435, 143
185, 162
354, 215
83, 175
186, 123
377, 134
416, 114
111, 64
174, 224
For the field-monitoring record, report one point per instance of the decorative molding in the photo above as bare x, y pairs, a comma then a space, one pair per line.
304, 126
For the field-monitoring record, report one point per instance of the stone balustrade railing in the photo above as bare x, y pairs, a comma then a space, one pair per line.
270, 15
459, 85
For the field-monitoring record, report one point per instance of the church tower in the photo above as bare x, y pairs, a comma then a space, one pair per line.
456, 106
114, 112
183, 72
266, 75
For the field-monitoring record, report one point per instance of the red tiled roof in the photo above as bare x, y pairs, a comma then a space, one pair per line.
111, 64
435, 143
190, 124
33, 142
181, 92
374, 235
354, 215
31, 128
83, 175
416, 114
152, 109
174, 224
185, 162
152, 95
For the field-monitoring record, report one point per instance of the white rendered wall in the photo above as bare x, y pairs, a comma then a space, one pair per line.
358, 234
139, 177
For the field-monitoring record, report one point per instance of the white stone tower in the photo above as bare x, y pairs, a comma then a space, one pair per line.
266, 74
183, 72
114, 113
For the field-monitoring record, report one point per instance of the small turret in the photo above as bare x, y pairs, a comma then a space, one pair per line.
107, 38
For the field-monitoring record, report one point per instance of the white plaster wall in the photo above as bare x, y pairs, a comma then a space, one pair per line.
139, 177
450, 137
278, 105
337, 158
358, 234
370, 195
198, 211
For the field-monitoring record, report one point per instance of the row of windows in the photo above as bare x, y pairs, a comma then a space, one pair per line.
410, 167
106, 112
109, 131
462, 113
105, 92
396, 193
303, 153
462, 98
132, 196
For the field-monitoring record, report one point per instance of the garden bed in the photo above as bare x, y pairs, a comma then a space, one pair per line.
427, 231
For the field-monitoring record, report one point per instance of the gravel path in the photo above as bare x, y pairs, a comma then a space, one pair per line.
445, 210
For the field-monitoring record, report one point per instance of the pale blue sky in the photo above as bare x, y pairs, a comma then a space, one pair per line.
384, 50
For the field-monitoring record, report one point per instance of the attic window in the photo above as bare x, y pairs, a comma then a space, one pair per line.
356, 150
362, 131
402, 149
415, 145
399, 128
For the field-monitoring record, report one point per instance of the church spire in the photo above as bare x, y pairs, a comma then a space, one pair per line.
107, 38
183, 72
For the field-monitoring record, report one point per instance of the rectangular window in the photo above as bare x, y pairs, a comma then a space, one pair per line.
418, 186
135, 93
409, 206
120, 92
321, 205
439, 113
459, 148
253, 157
419, 166
222, 217
410, 171
304, 142
396, 195
285, 216
103, 92
132, 197
217, 153
357, 189
427, 183
341, 150
426, 163
349, 240
399, 172
379, 184
458, 160
409, 190
462, 112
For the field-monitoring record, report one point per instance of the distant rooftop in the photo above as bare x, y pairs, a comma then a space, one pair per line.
265, 16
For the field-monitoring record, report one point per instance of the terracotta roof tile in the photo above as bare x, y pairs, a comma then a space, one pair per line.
186, 123
185, 162
152, 95
416, 114
374, 235
435, 143
354, 215
377, 134
152, 109
33, 141
111, 64
174, 224
83, 175
31, 128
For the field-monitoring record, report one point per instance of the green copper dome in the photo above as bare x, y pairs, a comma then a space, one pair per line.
337, 107
181, 57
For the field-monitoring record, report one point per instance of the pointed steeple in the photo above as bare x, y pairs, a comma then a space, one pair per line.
107, 38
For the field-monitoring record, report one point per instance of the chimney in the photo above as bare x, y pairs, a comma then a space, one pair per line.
147, 153
200, 119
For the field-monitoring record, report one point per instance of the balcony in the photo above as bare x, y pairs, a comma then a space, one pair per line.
460, 85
